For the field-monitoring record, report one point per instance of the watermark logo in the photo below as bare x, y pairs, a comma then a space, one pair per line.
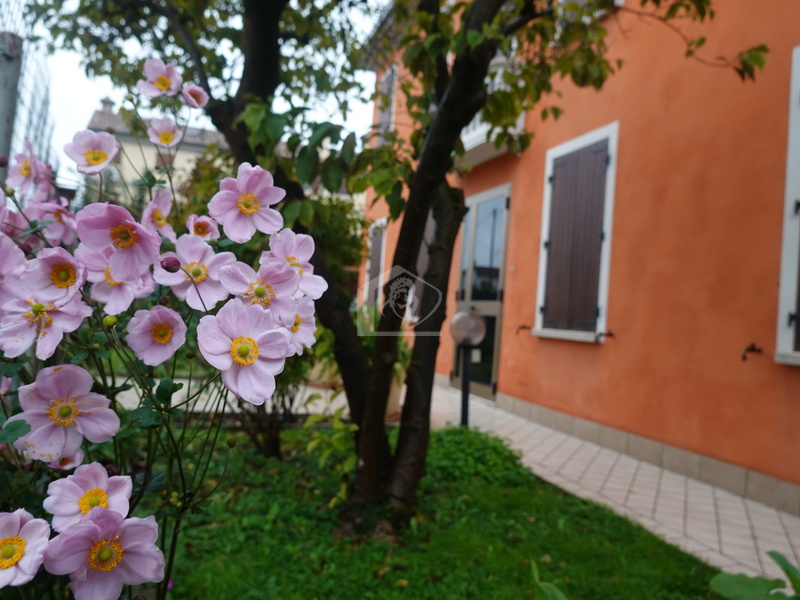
400, 292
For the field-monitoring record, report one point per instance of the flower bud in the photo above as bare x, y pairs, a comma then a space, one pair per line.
163, 300
112, 469
109, 320
3, 161
9, 191
190, 354
231, 443
171, 264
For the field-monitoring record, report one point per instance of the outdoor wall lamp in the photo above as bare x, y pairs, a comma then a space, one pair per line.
468, 330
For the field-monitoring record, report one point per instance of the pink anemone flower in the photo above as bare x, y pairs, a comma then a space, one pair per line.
272, 287
67, 463
300, 324
62, 410
198, 280
164, 132
25, 173
115, 296
23, 541
162, 80
154, 216
11, 267
54, 276
242, 205
69, 499
135, 247
104, 552
92, 151
155, 335
242, 342
194, 95
203, 227
63, 228
27, 321
296, 249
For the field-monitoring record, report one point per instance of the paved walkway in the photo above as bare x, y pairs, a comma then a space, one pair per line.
723, 529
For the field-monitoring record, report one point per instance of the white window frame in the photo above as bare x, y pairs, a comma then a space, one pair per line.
790, 247
611, 133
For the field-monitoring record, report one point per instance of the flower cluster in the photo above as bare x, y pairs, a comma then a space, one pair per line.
168, 289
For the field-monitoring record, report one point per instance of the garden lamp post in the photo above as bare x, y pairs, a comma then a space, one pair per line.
468, 330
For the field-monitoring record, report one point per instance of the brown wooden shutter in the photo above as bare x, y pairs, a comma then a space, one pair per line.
574, 242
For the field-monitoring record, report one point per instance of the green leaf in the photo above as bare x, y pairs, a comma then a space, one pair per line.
290, 212
474, 38
792, 572
13, 431
306, 213
307, 164
349, 148
11, 369
79, 358
166, 389
146, 417
742, 587
226, 243
395, 201
322, 131
332, 174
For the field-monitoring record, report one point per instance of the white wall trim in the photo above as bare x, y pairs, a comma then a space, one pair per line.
790, 248
611, 133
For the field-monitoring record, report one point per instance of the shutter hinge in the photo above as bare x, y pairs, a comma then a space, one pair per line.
597, 312
550, 179
796, 206
501, 295
608, 160
508, 202
602, 236
494, 388
547, 244
792, 318
541, 309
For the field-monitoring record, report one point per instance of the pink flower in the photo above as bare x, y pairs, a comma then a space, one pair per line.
296, 249
63, 228
155, 214
194, 95
54, 276
26, 321
203, 227
11, 268
104, 552
272, 287
301, 325
89, 486
23, 541
241, 341
242, 205
198, 283
164, 132
135, 247
93, 151
25, 173
161, 79
61, 410
115, 296
155, 335
67, 463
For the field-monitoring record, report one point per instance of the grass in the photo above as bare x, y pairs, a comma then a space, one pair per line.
482, 518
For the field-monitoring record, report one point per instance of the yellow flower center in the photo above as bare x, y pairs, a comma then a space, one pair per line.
197, 272
244, 350
105, 555
58, 215
166, 137
123, 236
297, 322
200, 229
11, 550
107, 275
295, 262
161, 83
63, 412
247, 204
262, 293
38, 315
159, 218
25, 168
91, 498
95, 157
196, 95
63, 275
161, 332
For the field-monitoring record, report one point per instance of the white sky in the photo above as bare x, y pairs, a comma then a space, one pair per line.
74, 98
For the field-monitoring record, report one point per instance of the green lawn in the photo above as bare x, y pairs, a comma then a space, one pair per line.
269, 533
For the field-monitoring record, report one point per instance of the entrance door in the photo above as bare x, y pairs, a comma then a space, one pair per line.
483, 249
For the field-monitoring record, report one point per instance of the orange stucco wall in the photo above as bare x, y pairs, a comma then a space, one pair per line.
695, 250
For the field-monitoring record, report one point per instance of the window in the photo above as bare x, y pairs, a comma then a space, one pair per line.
386, 91
576, 237
375, 264
788, 335
415, 299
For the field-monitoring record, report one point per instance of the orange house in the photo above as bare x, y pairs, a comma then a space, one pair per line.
637, 265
